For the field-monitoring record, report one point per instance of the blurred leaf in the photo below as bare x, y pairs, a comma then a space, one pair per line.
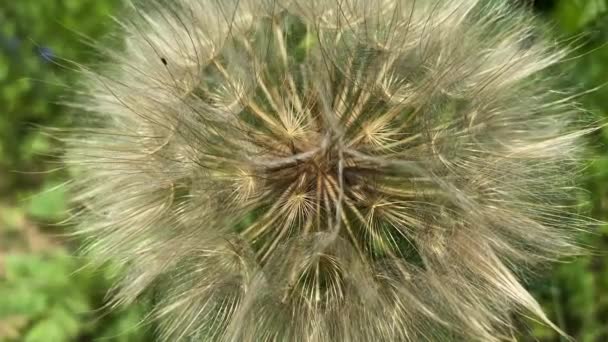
35, 145
48, 330
50, 203
573, 15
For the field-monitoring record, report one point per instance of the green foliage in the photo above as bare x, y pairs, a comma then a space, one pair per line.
577, 15
46, 294
575, 295
50, 203
37, 39
55, 300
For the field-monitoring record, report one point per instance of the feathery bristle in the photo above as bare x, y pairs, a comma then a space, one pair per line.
328, 170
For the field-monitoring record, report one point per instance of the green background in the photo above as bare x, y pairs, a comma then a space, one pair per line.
48, 294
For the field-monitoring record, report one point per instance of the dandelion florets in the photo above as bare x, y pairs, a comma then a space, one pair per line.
328, 170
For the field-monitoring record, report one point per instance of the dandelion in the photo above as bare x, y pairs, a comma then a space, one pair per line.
327, 170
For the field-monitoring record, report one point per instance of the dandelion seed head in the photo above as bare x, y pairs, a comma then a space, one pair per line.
328, 170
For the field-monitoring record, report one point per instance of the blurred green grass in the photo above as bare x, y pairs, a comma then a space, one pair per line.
47, 294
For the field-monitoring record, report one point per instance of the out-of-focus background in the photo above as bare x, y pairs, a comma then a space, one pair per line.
46, 292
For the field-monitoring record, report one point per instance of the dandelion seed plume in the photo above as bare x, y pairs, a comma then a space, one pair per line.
327, 170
